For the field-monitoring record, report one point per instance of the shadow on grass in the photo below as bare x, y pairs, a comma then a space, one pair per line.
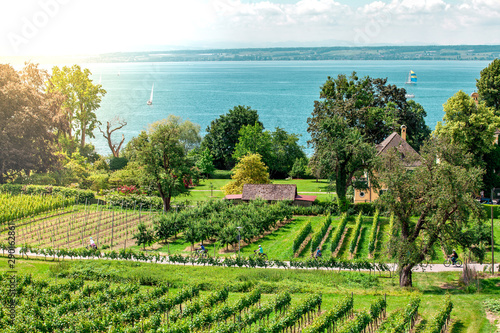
458, 326
490, 286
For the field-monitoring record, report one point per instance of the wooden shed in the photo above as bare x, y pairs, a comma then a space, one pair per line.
272, 192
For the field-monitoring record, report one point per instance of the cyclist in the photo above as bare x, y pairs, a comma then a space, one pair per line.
318, 253
261, 250
92, 244
454, 257
202, 249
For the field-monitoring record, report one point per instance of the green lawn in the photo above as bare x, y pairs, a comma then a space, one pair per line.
303, 185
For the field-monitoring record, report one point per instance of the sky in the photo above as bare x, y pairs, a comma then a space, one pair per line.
69, 27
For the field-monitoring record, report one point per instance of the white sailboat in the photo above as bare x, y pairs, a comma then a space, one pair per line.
412, 78
150, 102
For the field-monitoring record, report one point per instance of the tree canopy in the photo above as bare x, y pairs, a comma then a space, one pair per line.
471, 126
439, 193
162, 153
249, 170
82, 99
278, 149
488, 85
28, 120
342, 151
223, 133
374, 107
352, 116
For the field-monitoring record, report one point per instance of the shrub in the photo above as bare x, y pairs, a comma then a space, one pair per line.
117, 163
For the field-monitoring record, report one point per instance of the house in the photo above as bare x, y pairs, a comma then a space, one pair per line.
393, 141
272, 192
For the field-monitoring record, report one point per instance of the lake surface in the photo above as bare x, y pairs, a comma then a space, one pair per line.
283, 92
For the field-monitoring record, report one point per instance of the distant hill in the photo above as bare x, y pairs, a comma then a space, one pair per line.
430, 52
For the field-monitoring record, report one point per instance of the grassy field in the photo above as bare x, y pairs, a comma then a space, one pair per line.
303, 185
468, 314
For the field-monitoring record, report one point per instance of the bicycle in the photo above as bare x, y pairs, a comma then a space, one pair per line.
258, 255
90, 247
200, 254
448, 263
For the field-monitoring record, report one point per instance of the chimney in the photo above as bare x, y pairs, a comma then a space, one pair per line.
403, 132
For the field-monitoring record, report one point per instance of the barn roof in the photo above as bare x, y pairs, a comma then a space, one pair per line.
269, 191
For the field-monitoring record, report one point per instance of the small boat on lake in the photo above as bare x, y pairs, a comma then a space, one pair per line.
412, 78
150, 102
409, 96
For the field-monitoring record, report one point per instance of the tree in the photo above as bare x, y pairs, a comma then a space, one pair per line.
161, 152
285, 151
299, 168
488, 85
371, 105
432, 203
28, 120
223, 133
254, 140
353, 114
144, 236
278, 149
82, 98
471, 127
343, 151
205, 162
249, 170
112, 126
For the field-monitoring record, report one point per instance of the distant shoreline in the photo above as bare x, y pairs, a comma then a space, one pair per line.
340, 53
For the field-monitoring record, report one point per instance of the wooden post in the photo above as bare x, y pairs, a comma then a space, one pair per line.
112, 228
492, 240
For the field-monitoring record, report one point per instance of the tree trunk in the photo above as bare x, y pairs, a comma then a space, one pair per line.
405, 277
166, 203
83, 135
341, 187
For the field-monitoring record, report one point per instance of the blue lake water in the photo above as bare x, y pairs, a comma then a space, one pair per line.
283, 92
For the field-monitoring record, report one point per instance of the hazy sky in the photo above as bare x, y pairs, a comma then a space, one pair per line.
33, 27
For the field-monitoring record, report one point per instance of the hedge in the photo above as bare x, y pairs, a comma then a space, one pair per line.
80, 195
299, 239
318, 236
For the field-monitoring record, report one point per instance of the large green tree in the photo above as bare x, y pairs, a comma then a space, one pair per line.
278, 149
223, 133
432, 203
162, 153
370, 104
353, 114
343, 151
28, 120
471, 126
488, 85
82, 99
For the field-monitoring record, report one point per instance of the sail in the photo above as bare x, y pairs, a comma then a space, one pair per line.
412, 78
151, 98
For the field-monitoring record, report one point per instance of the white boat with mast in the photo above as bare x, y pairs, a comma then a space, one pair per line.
150, 102
412, 78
